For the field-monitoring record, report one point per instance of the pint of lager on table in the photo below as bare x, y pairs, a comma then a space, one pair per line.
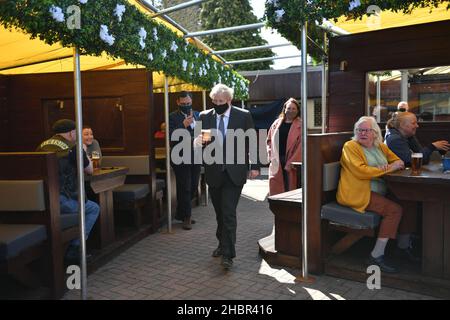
416, 163
95, 160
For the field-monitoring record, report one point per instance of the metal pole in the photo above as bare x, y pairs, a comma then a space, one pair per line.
151, 7
261, 59
229, 29
251, 48
206, 185
330, 27
378, 107
166, 119
404, 85
324, 85
79, 145
204, 99
304, 93
178, 7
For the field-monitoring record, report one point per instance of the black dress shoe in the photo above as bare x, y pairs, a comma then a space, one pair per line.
379, 261
227, 263
182, 219
408, 254
217, 253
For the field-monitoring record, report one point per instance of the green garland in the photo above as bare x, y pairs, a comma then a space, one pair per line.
166, 52
288, 15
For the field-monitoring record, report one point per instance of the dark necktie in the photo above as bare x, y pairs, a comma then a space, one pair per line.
222, 127
222, 130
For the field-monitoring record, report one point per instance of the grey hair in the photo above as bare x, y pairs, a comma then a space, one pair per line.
373, 124
220, 88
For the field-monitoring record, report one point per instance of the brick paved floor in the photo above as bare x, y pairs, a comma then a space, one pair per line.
180, 266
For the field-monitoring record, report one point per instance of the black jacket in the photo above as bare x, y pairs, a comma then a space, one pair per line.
403, 147
239, 119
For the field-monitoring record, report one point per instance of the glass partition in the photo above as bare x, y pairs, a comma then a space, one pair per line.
426, 90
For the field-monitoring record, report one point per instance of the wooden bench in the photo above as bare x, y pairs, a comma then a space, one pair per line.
134, 197
29, 205
341, 218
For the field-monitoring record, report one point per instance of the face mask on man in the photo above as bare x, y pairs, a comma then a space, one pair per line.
186, 109
220, 108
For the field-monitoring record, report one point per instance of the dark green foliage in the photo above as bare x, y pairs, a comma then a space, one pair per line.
33, 17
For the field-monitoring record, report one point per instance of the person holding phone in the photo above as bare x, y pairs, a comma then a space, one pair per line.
187, 172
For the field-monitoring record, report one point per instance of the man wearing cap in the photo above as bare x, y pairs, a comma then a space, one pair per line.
63, 143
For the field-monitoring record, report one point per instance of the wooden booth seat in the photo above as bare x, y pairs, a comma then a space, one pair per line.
17, 238
23, 238
133, 197
343, 218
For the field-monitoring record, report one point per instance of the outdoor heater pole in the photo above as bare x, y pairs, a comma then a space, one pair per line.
80, 162
324, 85
204, 99
204, 108
168, 182
304, 107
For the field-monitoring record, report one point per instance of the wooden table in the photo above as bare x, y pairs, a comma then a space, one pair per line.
432, 188
284, 246
102, 182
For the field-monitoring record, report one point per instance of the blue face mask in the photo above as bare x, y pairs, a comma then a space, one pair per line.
186, 109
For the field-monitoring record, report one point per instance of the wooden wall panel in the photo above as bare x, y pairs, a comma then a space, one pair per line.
280, 86
4, 132
398, 48
26, 116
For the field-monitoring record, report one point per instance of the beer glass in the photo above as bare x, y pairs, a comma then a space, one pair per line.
95, 157
416, 163
206, 135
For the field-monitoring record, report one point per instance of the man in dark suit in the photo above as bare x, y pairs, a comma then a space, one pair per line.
226, 178
187, 173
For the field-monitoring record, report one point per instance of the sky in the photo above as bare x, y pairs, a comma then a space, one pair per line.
273, 37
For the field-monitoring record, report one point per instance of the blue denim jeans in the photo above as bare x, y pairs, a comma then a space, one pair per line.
92, 211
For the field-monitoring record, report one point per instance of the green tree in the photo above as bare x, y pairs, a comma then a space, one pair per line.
231, 13
188, 18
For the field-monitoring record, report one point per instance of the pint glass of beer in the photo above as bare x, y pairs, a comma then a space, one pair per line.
416, 163
95, 160
206, 135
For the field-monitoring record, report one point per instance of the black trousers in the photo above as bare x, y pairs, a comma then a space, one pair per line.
187, 178
225, 199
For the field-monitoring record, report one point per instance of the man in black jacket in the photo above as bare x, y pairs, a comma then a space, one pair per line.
187, 172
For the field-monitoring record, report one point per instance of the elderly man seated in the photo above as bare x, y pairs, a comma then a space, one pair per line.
64, 144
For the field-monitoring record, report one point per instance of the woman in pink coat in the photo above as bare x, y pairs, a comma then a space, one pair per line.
284, 147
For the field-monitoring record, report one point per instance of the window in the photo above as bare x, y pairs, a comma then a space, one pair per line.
427, 91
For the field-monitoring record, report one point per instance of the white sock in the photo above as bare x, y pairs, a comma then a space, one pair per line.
380, 245
404, 240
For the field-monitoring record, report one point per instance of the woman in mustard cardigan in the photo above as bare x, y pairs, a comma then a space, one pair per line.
365, 159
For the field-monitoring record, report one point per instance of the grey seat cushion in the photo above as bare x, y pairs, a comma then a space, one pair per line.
14, 238
160, 184
131, 192
69, 220
347, 216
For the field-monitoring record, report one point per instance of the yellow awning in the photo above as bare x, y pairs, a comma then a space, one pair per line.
389, 19
21, 55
